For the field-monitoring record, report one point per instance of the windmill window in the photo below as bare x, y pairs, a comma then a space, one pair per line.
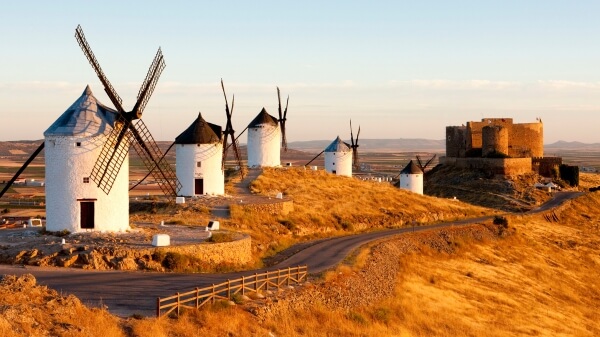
86, 180
199, 164
78, 144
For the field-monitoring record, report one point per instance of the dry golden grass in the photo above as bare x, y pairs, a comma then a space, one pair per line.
587, 180
327, 205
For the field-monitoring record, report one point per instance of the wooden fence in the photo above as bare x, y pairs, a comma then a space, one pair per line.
224, 291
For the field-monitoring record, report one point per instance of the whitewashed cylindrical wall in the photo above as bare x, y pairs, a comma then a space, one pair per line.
340, 162
67, 164
412, 182
209, 170
264, 146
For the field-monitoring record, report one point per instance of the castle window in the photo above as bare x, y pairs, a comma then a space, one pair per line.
86, 180
199, 164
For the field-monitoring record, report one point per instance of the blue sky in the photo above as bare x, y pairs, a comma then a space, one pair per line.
400, 69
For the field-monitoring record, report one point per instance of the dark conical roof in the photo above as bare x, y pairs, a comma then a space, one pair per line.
85, 117
263, 118
411, 168
338, 146
200, 132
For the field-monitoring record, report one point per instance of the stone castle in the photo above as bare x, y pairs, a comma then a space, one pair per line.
495, 137
498, 145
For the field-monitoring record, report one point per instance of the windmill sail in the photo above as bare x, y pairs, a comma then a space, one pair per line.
283, 119
125, 133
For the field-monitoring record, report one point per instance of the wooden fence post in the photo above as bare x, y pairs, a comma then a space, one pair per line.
178, 303
228, 289
197, 298
278, 277
255, 282
243, 286
213, 294
267, 281
289, 276
158, 307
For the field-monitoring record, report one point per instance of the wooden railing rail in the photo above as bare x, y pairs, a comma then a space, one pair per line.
224, 291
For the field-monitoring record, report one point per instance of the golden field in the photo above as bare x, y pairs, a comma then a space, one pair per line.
543, 279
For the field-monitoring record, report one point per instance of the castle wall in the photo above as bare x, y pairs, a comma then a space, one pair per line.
456, 141
504, 166
526, 140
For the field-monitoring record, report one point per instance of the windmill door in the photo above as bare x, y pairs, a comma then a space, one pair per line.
87, 214
199, 186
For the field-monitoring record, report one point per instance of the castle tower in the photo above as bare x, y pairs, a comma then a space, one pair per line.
72, 146
494, 140
264, 137
338, 158
199, 154
411, 178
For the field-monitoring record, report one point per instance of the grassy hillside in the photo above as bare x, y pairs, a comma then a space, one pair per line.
327, 205
535, 278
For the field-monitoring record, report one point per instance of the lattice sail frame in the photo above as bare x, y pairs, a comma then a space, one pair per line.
163, 174
113, 154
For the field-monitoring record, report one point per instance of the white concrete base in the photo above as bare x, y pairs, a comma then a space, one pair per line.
180, 200
161, 240
213, 225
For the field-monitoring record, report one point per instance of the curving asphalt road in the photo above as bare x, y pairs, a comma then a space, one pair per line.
126, 293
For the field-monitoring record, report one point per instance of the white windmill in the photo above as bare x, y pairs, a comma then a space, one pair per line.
411, 178
73, 143
338, 158
199, 159
265, 133
87, 156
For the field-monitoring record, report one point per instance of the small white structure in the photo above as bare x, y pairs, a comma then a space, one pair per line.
199, 156
338, 158
264, 139
411, 178
72, 146
213, 225
161, 240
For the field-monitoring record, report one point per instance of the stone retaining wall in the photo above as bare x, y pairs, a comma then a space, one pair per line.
276, 208
235, 252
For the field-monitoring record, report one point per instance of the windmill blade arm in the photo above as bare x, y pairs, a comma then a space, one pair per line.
113, 154
357, 134
317, 156
153, 167
110, 91
236, 138
27, 162
153, 159
283, 138
156, 68
429, 162
351, 135
279, 100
